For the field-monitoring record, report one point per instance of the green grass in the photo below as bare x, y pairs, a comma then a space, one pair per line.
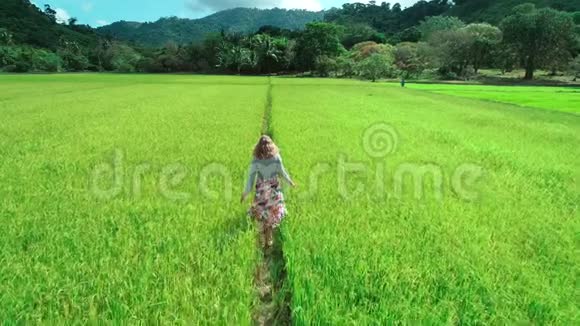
565, 99
66, 253
517, 76
380, 256
508, 255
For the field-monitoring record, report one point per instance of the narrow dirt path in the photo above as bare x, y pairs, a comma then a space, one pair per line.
274, 295
267, 118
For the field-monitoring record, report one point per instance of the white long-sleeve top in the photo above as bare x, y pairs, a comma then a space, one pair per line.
266, 169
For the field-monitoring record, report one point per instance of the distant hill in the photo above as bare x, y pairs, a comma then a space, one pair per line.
184, 31
493, 11
29, 25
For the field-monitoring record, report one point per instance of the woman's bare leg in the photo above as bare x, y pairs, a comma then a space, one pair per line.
261, 235
268, 236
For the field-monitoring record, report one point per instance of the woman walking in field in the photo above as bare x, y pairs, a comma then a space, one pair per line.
268, 207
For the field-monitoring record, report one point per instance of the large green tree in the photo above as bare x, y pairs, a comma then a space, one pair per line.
236, 58
6, 37
539, 36
456, 48
268, 52
72, 54
318, 39
575, 68
376, 66
356, 33
451, 51
436, 24
410, 58
484, 40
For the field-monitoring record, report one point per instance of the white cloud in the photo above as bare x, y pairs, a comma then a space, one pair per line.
62, 16
102, 22
87, 6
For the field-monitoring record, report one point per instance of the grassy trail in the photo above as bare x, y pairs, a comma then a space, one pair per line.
270, 280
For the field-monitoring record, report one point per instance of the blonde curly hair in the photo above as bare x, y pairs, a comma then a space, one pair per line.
265, 149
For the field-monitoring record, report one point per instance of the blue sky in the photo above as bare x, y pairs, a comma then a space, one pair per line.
102, 12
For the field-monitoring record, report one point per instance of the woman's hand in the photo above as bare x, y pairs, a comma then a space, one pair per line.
244, 197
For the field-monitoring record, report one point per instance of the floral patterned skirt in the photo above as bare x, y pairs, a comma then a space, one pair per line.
268, 207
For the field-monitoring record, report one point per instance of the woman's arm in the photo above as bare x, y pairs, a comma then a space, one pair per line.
251, 180
284, 173
253, 172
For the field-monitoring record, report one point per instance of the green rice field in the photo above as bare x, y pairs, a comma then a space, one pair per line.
565, 99
119, 201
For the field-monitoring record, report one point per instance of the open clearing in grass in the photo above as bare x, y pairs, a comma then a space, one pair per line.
380, 256
372, 257
565, 99
66, 253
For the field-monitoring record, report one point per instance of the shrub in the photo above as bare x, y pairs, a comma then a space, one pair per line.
345, 66
376, 66
23, 66
575, 67
42, 60
364, 50
9, 68
325, 66
8, 56
408, 59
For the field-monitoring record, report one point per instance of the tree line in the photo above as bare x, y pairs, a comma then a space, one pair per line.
370, 41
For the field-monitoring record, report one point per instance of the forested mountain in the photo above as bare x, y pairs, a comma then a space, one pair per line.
185, 31
156, 34
251, 19
27, 24
493, 11
397, 24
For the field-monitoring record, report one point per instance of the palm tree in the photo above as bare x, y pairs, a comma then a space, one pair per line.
5, 37
235, 57
267, 51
